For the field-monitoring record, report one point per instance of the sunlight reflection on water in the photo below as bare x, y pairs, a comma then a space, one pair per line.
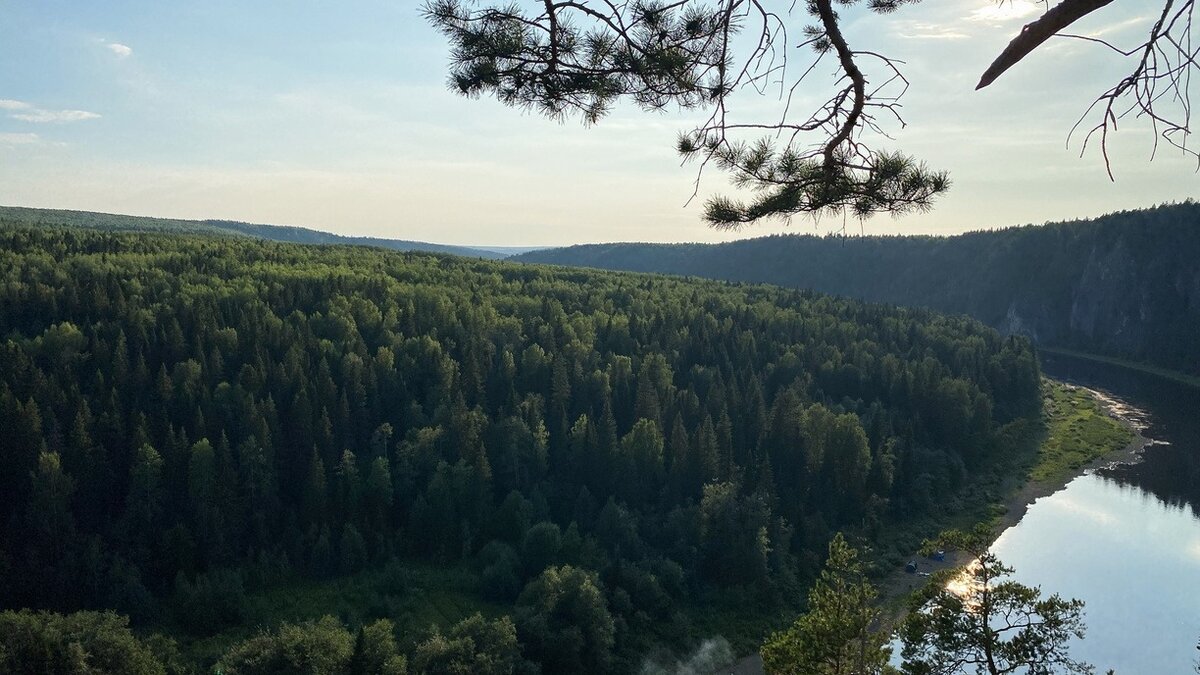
1131, 558
1126, 540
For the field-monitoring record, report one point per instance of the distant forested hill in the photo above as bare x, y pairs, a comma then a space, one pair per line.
210, 433
285, 233
1126, 284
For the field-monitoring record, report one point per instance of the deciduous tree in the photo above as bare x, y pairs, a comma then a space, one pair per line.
36, 643
474, 646
564, 622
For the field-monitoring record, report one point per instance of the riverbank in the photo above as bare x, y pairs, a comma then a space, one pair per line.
1085, 429
1082, 430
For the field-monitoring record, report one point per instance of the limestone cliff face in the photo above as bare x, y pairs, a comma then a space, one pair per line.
1142, 303
1121, 299
1015, 324
1107, 303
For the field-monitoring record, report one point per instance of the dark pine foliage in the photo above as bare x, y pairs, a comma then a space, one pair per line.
186, 419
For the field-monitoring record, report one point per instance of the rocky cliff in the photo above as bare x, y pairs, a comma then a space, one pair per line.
1126, 284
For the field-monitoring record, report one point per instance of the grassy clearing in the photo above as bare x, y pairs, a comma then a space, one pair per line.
1175, 376
1078, 431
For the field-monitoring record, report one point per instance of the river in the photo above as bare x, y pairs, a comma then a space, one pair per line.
1125, 538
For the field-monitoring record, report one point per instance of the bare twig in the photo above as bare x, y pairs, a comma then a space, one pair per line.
580, 56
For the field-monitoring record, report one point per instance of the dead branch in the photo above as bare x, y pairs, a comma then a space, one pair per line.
1035, 33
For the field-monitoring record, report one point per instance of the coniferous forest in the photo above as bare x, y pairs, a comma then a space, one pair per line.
1123, 285
187, 421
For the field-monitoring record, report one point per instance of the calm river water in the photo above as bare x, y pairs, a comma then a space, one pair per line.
1125, 539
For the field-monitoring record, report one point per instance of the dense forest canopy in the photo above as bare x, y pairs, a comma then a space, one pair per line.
187, 419
1123, 285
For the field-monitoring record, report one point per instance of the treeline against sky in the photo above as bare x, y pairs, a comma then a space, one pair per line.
228, 228
1125, 285
188, 419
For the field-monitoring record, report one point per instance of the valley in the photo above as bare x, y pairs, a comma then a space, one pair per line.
574, 337
194, 421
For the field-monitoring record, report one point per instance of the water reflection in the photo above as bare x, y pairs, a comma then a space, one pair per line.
966, 586
1133, 560
1125, 539
1171, 467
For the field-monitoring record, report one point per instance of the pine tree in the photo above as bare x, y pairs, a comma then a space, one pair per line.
202, 484
52, 527
259, 492
835, 636
348, 489
314, 496
708, 454
989, 622
144, 505
377, 496
679, 454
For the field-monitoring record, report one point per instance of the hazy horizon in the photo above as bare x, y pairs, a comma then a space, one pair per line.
517, 249
338, 119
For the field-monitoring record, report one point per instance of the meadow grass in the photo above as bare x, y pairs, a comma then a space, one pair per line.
1078, 431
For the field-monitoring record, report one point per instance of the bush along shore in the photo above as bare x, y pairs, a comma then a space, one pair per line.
1080, 430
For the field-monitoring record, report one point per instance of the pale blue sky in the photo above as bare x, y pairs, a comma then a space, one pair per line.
335, 115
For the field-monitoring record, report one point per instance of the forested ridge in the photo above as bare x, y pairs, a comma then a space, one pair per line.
186, 420
1124, 285
232, 228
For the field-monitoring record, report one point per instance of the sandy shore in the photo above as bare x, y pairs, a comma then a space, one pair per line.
900, 584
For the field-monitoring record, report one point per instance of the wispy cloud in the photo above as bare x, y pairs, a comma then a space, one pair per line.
119, 49
1194, 549
27, 112
948, 35
921, 30
957, 23
9, 139
1006, 11
1121, 26
1086, 510
42, 116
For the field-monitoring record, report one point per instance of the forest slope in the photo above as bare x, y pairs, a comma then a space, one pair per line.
283, 233
1124, 285
188, 421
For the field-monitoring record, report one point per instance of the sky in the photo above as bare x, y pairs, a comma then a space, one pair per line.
336, 116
